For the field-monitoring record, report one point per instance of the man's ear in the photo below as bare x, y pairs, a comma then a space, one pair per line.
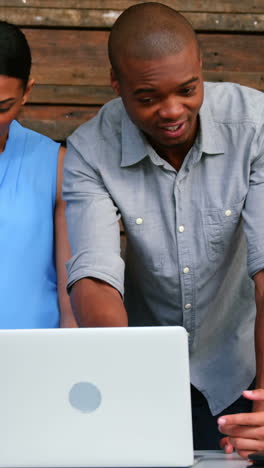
114, 82
201, 60
28, 89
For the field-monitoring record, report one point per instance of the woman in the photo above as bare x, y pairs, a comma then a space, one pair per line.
33, 238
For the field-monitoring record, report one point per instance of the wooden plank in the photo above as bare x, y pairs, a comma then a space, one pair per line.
253, 80
87, 95
92, 95
52, 17
226, 22
63, 17
236, 53
69, 57
225, 6
79, 58
86, 18
55, 122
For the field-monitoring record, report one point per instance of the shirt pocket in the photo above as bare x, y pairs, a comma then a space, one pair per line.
145, 240
219, 228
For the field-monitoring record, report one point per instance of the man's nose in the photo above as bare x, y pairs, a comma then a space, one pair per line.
171, 108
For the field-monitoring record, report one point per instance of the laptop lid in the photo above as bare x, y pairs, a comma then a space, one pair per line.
106, 397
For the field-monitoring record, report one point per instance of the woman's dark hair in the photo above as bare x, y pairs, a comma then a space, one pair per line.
15, 55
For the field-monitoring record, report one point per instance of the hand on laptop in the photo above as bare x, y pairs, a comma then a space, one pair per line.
244, 431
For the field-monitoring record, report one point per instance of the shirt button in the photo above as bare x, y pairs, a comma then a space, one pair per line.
186, 270
228, 212
188, 306
139, 221
181, 228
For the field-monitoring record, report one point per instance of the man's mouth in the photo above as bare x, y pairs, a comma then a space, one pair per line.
172, 128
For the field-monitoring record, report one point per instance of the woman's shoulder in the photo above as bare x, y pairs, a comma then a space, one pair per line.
33, 140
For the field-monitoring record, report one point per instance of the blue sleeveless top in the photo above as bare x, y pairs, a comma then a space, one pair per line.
28, 284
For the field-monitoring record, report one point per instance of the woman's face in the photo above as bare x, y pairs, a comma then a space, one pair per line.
12, 97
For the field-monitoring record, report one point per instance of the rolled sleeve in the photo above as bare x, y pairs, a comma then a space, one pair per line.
92, 220
253, 210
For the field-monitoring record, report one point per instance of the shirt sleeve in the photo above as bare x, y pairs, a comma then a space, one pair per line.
93, 226
253, 208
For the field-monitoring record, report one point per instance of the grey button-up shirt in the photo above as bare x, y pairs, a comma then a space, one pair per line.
195, 237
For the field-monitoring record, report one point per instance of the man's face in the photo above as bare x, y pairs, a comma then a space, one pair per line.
163, 97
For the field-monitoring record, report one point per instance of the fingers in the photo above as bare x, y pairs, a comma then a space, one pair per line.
243, 419
244, 440
226, 445
257, 394
246, 446
244, 453
248, 432
223, 442
229, 445
244, 431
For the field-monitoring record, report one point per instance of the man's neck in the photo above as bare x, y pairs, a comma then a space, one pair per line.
174, 160
174, 156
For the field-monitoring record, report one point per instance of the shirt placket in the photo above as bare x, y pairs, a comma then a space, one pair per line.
186, 267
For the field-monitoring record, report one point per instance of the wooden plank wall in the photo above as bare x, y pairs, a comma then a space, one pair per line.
68, 39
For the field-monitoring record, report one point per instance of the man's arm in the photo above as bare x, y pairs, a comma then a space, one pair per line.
96, 269
97, 304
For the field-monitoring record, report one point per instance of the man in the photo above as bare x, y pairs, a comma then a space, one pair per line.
184, 171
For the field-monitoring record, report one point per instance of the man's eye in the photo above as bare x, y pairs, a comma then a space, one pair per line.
146, 100
187, 91
4, 109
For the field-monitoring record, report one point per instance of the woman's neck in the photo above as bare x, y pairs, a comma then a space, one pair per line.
3, 139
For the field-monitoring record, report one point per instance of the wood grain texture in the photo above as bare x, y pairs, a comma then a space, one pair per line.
92, 95
87, 18
76, 57
68, 40
71, 58
225, 6
67, 94
57, 122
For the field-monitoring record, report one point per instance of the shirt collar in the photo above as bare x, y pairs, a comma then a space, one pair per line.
135, 146
209, 139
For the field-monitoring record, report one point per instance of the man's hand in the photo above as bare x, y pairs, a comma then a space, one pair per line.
245, 431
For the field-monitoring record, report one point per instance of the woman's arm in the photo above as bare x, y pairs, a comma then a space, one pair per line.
63, 252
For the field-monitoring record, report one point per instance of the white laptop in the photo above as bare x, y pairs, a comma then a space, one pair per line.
108, 397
